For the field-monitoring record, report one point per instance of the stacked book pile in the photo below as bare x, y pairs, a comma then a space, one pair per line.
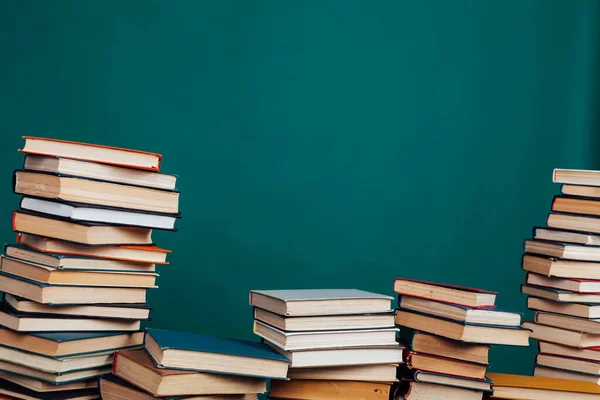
448, 330
75, 282
341, 343
562, 262
177, 365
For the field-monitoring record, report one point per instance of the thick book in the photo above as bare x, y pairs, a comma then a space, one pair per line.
50, 275
471, 297
291, 341
45, 387
561, 296
567, 251
60, 294
11, 390
562, 336
63, 344
99, 171
409, 389
576, 177
26, 322
307, 389
129, 158
362, 373
305, 302
507, 386
56, 365
116, 311
484, 316
79, 232
54, 379
137, 368
561, 268
590, 311
137, 254
566, 236
203, 353
580, 190
556, 349
115, 388
326, 322
576, 205
571, 285
484, 385
470, 333
555, 373
589, 367
431, 363
574, 222
102, 214
420, 342
88, 191
586, 325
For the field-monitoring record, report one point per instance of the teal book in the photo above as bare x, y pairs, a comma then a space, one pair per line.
204, 353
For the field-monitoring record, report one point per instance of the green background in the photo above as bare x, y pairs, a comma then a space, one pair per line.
319, 143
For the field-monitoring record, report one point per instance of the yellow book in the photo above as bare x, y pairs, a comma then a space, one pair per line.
521, 387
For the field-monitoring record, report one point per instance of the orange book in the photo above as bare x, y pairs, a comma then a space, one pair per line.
507, 386
92, 152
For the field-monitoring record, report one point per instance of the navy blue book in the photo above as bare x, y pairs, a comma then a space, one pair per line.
203, 353
10, 390
484, 385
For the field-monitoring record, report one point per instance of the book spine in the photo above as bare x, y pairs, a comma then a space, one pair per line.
114, 370
14, 221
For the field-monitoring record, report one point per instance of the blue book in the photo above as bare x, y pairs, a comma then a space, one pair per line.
203, 353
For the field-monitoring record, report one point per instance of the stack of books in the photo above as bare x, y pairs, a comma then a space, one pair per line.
562, 262
192, 366
341, 343
75, 282
448, 330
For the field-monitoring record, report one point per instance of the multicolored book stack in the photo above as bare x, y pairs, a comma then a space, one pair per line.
448, 330
178, 365
75, 282
341, 342
562, 262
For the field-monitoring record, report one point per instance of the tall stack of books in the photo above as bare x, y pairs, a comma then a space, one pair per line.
448, 330
341, 343
192, 366
562, 262
75, 282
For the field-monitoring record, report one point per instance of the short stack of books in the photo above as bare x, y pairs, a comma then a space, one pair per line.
341, 342
192, 366
75, 282
562, 262
448, 330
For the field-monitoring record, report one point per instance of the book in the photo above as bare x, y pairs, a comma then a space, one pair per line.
576, 177
320, 302
115, 388
482, 334
137, 368
476, 298
563, 250
56, 365
203, 353
58, 294
564, 236
137, 254
98, 171
76, 263
63, 344
14, 391
325, 339
415, 390
305, 389
562, 336
92, 152
589, 367
102, 214
585, 325
118, 311
45, 387
576, 205
580, 190
323, 323
343, 356
420, 342
507, 386
561, 268
589, 311
55, 379
484, 316
442, 365
364, 373
80, 232
88, 191
484, 385
25, 322
566, 351
51, 275
547, 372
571, 285
561, 296
574, 222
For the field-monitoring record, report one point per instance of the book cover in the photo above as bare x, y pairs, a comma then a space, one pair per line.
535, 382
460, 322
319, 294
416, 375
19, 392
444, 285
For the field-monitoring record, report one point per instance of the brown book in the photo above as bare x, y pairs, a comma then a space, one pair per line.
574, 222
570, 285
45, 387
563, 250
508, 386
427, 362
363, 373
562, 336
566, 351
561, 268
568, 363
563, 236
560, 295
575, 205
67, 377
325, 323
585, 325
439, 346
572, 309
137, 368
329, 390
547, 372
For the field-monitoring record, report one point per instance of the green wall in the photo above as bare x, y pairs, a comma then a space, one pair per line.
319, 143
